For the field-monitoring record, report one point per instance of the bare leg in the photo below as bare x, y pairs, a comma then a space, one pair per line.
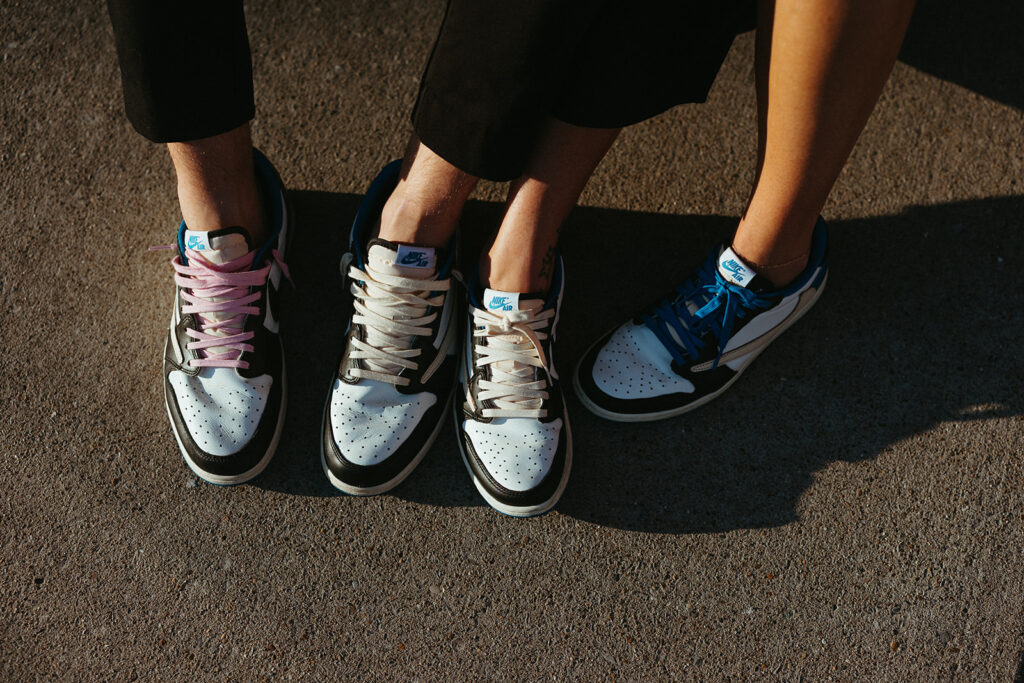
821, 65
521, 258
425, 205
217, 183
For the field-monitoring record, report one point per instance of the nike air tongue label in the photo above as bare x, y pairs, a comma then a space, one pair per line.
496, 301
197, 240
415, 257
734, 269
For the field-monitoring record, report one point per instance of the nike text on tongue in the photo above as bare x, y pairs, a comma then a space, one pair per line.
496, 301
218, 246
734, 269
197, 241
415, 257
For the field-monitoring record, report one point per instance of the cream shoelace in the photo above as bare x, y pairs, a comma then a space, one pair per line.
512, 348
392, 309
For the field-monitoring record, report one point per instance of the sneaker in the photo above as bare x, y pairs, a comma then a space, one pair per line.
696, 342
513, 428
397, 370
224, 375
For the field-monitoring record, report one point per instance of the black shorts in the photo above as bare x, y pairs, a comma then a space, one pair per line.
497, 70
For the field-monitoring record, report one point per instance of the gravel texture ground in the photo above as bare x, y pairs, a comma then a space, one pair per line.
852, 509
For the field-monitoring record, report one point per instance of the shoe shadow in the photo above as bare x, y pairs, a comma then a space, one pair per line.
913, 330
314, 316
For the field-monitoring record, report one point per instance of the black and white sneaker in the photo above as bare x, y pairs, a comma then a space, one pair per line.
696, 342
397, 371
513, 428
224, 374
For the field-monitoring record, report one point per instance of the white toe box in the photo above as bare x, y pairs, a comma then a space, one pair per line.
371, 420
517, 452
634, 364
220, 408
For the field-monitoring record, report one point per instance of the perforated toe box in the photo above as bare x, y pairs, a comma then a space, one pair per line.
516, 452
220, 408
633, 364
371, 420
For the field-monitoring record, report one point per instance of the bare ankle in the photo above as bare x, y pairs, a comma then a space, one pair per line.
776, 249
516, 272
204, 208
217, 186
779, 270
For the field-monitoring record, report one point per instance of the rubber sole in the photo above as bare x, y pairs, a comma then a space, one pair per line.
673, 412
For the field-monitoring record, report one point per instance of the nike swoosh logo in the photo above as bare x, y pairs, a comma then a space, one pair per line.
757, 344
178, 356
414, 259
445, 338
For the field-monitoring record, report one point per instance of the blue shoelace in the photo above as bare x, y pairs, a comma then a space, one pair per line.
725, 303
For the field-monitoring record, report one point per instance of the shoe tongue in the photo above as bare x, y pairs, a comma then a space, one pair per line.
219, 246
501, 304
402, 259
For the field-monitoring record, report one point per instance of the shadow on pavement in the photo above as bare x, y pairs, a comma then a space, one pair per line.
918, 326
973, 44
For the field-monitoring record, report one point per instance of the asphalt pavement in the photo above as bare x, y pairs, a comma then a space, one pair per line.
852, 509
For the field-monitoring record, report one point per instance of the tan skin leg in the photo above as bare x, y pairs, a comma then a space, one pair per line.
217, 183
821, 65
521, 257
425, 206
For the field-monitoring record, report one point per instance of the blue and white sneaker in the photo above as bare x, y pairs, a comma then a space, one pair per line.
397, 369
696, 342
510, 413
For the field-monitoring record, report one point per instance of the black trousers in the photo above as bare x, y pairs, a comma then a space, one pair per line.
497, 70
173, 54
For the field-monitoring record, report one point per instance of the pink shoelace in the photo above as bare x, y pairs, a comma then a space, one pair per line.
202, 281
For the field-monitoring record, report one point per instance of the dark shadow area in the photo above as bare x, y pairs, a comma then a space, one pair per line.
316, 312
918, 326
914, 329
973, 44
